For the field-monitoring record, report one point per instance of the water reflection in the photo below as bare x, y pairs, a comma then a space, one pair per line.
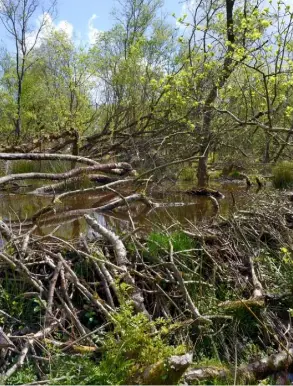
19, 208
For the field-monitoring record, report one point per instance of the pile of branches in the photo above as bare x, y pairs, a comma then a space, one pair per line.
94, 171
185, 286
234, 274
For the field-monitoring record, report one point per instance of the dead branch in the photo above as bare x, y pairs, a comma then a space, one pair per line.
67, 175
48, 156
122, 262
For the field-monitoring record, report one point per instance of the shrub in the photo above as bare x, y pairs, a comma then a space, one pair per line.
283, 175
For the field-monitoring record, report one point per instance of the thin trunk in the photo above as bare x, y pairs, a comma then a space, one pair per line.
202, 169
266, 157
18, 119
75, 148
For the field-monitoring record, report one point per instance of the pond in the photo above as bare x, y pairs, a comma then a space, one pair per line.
176, 207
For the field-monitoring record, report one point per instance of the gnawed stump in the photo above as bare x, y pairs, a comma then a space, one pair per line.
205, 192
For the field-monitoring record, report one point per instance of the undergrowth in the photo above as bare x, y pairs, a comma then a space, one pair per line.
125, 352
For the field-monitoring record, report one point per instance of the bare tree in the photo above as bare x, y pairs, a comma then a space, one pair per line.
16, 16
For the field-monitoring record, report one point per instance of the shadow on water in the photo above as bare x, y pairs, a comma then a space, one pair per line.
19, 208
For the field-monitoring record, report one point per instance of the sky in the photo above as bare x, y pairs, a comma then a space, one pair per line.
82, 19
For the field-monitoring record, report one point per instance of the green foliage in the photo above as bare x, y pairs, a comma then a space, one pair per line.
283, 175
12, 300
27, 374
126, 352
235, 174
136, 347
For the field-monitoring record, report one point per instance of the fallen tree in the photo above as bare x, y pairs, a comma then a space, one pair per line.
247, 374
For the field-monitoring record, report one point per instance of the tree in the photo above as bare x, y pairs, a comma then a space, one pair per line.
16, 16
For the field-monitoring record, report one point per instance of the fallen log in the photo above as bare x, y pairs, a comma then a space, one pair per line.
250, 373
168, 372
205, 192
47, 156
60, 186
67, 175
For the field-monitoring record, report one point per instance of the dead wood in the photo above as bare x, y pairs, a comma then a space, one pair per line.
48, 156
252, 372
205, 192
122, 262
167, 372
67, 175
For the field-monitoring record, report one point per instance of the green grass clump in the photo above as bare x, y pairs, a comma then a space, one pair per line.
235, 174
283, 175
160, 242
44, 166
24, 166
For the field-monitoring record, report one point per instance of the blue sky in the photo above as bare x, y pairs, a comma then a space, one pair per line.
83, 18
80, 13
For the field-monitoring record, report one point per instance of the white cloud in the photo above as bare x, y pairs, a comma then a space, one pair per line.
66, 27
48, 27
93, 32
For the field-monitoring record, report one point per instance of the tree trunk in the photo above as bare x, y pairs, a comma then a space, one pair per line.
266, 157
202, 171
227, 69
75, 148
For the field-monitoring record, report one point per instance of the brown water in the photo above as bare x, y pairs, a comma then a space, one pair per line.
177, 207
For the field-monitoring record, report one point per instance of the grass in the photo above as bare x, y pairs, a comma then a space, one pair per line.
45, 166
159, 242
187, 174
283, 175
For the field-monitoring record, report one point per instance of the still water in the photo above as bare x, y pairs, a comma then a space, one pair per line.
176, 207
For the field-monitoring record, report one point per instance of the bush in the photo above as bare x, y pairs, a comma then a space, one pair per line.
283, 175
